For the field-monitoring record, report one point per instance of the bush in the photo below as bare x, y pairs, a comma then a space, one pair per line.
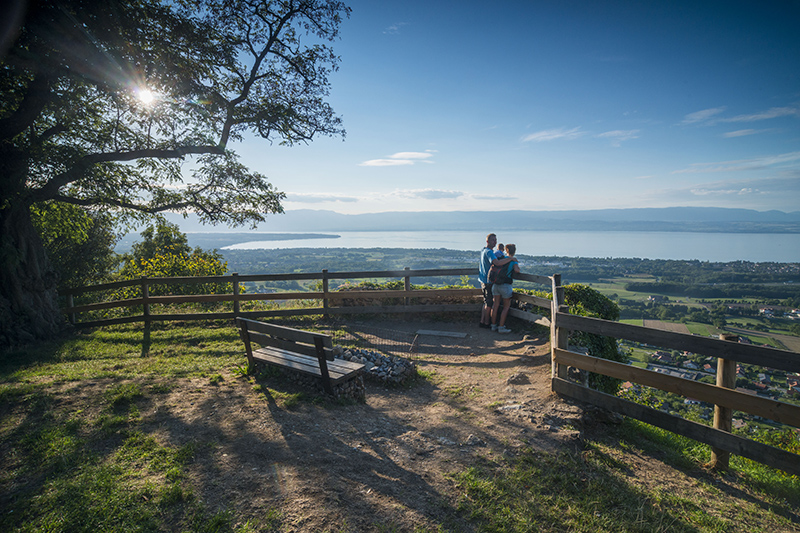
586, 301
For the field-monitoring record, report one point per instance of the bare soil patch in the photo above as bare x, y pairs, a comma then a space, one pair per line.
385, 465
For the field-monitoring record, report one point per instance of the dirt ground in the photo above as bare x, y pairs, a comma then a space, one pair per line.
379, 466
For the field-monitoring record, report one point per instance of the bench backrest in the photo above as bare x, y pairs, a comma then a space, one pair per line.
294, 340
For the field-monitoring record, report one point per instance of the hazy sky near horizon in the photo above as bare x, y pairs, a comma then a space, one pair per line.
552, 105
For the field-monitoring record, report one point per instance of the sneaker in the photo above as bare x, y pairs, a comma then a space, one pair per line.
503, 329
482, 325
494, 327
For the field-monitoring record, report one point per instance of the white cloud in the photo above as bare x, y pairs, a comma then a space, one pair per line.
400, 159
702, 116
412, 155
741, 164
394, 29
428, 194
742, 133
386, 163
551, 135
774, 112
759, 193
617, 136
307, 198
709, 116
494, 197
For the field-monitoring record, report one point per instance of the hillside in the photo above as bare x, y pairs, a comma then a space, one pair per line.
113, 430
683, 219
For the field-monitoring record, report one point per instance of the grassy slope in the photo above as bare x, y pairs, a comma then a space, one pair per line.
77, 459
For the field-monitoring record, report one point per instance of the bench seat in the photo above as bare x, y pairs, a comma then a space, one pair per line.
338, 369
304, 352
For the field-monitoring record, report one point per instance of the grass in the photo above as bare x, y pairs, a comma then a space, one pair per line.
77, 455
594, 488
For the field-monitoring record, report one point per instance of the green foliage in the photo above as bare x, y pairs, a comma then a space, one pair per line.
79, 242
159, 239
163, 253
586, 301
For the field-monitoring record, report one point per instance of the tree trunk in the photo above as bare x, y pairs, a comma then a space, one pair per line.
28, 300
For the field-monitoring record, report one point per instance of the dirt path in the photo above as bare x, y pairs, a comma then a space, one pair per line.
383, 462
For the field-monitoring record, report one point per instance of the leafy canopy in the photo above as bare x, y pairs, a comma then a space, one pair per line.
131, 104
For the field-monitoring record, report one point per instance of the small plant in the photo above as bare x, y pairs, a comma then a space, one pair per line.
216, 379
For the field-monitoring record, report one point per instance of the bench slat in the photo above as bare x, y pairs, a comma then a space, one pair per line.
305, 349
283, 332
338, 372
301, 351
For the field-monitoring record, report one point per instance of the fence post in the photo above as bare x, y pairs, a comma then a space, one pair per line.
407, 286
723, 416
235, 277
71, 304
558, 336
145, 301
325, 293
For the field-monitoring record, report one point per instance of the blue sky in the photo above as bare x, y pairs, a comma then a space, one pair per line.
555, 105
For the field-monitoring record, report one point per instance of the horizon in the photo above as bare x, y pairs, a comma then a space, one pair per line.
574, 105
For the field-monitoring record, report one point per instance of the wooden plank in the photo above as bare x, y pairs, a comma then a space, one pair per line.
284, 332
275, 313
774, 410
762, 453
418, 293
340, 366
538, 301
529, 317
110, 321
303, 364
192, 316
743, 353
259, 296
305, 349
189, 298
535, 278
189, 280
421, 308
422, 273
102, 287
105, 305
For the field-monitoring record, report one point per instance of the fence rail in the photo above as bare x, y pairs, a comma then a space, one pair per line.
332, 301
722, 395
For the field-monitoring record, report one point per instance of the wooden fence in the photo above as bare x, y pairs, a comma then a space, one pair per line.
330, 301
722, 395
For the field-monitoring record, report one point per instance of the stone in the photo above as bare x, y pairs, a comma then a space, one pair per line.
518, 378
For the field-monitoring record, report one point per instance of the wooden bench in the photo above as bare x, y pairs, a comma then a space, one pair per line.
307, 353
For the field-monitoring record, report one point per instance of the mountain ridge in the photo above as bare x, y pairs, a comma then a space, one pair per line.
678, 219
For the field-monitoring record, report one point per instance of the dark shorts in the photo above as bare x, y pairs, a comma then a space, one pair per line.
487, 293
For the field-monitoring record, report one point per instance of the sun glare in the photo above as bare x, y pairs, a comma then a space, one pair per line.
146, 96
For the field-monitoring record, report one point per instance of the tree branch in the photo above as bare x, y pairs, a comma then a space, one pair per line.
90, 202
50, 189
35, 99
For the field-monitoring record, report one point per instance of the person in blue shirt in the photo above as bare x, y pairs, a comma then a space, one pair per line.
503, 290
488, 258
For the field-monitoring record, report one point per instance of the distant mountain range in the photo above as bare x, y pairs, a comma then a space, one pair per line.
679, 219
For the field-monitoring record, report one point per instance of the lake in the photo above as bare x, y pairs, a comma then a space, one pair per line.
715, 247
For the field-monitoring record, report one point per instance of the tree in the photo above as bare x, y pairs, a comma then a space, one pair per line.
164, 252
79, 243
130, 107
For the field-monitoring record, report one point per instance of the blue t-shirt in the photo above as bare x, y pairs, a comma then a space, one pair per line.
487, 256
